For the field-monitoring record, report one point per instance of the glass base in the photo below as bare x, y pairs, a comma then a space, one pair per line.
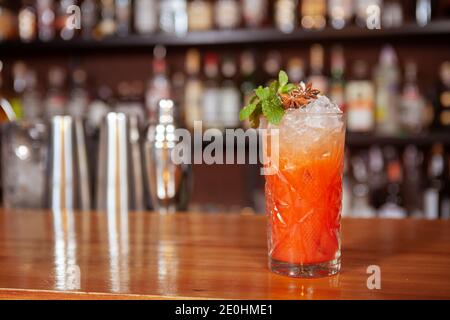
314, 270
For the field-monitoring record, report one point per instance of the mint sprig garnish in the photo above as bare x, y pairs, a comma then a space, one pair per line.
266, 101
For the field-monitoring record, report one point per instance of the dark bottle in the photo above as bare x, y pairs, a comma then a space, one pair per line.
89, 18
413, 181
377, 177
435, 175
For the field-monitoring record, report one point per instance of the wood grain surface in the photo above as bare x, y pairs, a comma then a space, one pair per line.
74, 255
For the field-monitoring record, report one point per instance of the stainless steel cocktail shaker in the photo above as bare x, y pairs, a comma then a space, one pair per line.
119, 171
168, 182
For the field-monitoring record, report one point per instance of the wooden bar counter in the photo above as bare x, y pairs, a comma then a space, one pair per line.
75, 255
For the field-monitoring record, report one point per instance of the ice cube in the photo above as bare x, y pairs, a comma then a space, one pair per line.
321, 105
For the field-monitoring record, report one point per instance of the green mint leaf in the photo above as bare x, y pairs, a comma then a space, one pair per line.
283, 78
273, 110
253, 99
266, 101
288, 88
273, 88
247, 111
262, 93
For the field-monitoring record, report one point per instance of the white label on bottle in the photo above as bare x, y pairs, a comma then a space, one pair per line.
227, 14
210, 107
146, 20
230, 102
431, 202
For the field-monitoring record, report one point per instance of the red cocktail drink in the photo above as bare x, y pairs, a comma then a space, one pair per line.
304, 192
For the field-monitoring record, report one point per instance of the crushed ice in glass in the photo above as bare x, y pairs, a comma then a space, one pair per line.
307, 126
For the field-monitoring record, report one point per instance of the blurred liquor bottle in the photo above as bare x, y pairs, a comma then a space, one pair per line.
377, 177
200, 15
387, 81
316, 76
107, 25
413, 181
296, 69
230, 96
366, 11
46, 19
211, 92
393, 207
248, 70
193, 89
286, 15
123, 17
27, 21
178, 85
227, 14
412, 105
442, 99
272, 65
360, 97
6, 110
392, 14
56, 99
89, 18
19, 73
362, 207
423, 12
435, 176
77, 106
146, 16
248, 73
159, 85
337, 82
8, 24
32, 99
62, 22
254, 12
173, 17
340, 13
313, 14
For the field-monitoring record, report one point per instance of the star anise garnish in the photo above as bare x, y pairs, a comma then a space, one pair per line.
299, 97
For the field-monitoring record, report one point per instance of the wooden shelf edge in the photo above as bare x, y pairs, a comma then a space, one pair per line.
229, 37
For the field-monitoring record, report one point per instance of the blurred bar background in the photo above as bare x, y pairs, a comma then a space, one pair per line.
387, 63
